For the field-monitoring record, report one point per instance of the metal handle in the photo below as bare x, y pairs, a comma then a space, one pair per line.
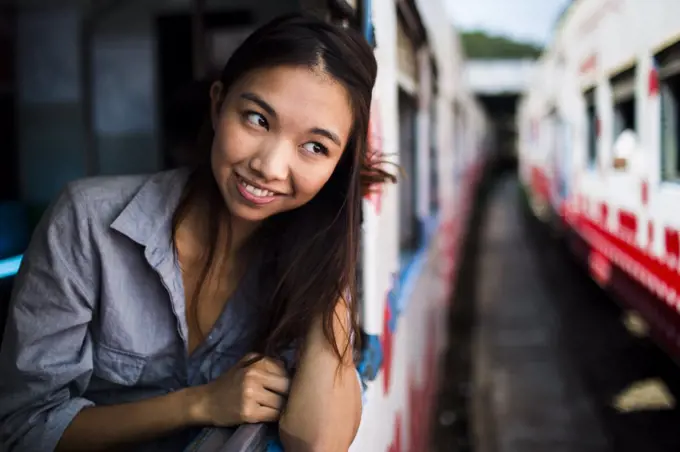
245, 438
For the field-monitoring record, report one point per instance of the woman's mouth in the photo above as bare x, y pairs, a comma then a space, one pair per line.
252, 193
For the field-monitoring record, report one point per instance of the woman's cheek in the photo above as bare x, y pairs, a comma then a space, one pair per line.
226, 148
312, 181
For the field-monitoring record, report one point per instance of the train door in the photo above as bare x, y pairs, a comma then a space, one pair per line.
13, 233
13, 228
9, 183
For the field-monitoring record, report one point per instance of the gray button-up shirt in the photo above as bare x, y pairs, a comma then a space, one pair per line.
97, 316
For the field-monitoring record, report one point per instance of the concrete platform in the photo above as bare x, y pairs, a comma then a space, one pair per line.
525, 398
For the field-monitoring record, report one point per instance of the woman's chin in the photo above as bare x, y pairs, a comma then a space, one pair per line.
250, 213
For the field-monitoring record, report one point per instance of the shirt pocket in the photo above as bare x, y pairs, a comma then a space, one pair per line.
117, 366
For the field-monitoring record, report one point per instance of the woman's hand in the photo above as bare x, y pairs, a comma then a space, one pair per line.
246, 394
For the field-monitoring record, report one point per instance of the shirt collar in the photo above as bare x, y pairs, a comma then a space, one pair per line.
147, 218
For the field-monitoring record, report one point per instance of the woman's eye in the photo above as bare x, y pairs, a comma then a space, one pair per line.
315, 148
257, 119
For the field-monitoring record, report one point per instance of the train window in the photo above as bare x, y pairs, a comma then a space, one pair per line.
434, 166
669, 77
670, 127
408, 222
434, 169
623, 95
592, 126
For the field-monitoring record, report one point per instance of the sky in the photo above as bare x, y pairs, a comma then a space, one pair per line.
525, 20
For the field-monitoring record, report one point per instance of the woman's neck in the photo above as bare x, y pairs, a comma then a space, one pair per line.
193, 235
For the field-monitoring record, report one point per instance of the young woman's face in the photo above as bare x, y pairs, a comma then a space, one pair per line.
279, 135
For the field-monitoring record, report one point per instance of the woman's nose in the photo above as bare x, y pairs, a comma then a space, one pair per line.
272, 162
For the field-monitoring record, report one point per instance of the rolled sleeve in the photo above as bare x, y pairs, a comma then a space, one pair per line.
46, 354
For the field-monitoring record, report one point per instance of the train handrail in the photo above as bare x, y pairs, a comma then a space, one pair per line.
259, 437
248, 438
245, 438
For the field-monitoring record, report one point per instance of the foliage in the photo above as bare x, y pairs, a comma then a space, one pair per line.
480, 45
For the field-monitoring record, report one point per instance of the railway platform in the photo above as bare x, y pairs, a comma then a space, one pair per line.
539, 358
525, 398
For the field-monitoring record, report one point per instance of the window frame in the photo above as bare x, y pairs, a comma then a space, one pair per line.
592, 126
668, 63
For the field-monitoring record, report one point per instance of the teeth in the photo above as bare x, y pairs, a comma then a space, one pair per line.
256, 191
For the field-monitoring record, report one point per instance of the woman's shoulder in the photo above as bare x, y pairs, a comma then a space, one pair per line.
104, 197
86, 209
107, 190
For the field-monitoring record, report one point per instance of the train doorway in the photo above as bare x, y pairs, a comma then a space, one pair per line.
183, 94
502, 112
9, 169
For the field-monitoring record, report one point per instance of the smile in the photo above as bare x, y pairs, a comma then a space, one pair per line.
254, 194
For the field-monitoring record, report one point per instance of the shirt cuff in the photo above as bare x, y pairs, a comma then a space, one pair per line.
46, 435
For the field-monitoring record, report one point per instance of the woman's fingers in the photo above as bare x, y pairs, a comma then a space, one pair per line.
276, 383
267, 414
271, 400
273, 366
266, 385
273, 375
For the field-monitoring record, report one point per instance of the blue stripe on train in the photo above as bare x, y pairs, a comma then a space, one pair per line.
412, 267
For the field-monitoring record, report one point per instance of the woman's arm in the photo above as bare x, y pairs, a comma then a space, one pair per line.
247, 393
46, 355
107, 427
324, 405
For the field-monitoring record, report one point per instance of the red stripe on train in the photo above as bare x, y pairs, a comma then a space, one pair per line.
659, 275
540, 183
672, 239
604, 213
627, 224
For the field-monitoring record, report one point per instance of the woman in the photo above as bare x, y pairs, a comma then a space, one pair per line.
148, 307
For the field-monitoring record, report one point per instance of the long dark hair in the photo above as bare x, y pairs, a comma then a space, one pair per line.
310, 253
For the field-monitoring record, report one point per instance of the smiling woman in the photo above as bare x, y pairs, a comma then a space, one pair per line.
279, 135
218, 294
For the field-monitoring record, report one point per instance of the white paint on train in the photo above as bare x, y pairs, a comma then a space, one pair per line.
599, 142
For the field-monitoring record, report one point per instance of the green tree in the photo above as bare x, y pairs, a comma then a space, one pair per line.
480, 45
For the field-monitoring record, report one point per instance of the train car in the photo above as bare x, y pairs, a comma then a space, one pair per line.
411, 233
423, 118
600, 150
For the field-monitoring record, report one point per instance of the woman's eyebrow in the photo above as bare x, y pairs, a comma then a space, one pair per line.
252, 97
258, 100
326, 133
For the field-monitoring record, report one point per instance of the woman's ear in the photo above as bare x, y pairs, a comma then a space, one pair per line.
216, 100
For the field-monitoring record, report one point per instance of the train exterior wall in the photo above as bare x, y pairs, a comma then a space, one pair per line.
406, 299
628, 216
